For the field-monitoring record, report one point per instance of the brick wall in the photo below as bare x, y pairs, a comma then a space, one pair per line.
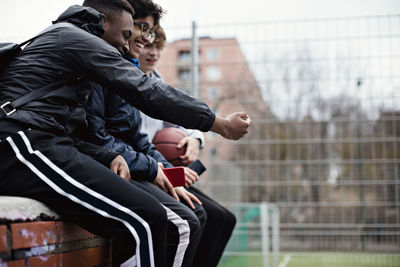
51, 243
27, 240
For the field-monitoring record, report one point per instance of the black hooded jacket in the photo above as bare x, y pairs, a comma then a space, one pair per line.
78, 56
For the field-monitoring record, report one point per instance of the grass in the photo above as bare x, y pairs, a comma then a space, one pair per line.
317, 259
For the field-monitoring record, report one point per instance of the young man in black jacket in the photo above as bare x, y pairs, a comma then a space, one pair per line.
115, 124
39, 158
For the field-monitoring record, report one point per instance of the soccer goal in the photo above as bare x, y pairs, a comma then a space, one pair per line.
255, 241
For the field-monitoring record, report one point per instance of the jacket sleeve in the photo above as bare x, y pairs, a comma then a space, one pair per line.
102, 63
101, 154
190, 132
198, 135
141, 166
142, 143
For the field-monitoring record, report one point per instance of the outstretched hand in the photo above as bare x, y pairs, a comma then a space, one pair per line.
233, 127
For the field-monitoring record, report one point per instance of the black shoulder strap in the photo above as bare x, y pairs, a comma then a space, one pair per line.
10, 107
36, 94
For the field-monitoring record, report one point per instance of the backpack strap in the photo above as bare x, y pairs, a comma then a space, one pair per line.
9, 107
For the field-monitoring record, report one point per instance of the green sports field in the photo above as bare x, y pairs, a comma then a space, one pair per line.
317, 259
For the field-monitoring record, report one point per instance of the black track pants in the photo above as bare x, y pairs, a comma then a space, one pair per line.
48, 168
185, 225
217, 232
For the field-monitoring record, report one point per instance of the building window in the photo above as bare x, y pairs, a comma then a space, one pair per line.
184, 75
213, 73
212, 54
184, 55
212, 92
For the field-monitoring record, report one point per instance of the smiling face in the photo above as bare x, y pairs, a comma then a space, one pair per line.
118, 30
149, 57
137, 42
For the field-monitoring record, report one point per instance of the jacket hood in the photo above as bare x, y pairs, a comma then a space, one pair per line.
85, 18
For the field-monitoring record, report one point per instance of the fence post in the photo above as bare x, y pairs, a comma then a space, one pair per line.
265, 233
275, 234
195, 62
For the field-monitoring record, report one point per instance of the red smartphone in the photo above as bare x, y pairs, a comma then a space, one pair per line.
175, 175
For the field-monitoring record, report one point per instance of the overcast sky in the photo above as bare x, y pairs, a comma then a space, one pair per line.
23, 18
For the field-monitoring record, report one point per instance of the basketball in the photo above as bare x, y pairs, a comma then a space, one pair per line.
166, 141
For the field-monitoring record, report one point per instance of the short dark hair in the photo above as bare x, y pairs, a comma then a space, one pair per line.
110, 7
144, 8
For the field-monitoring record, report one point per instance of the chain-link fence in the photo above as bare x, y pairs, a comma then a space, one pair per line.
324, 145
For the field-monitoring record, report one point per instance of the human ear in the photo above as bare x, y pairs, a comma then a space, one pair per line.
105, 20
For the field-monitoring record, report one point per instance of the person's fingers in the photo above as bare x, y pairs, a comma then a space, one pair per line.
184, 157
171, 190
195, 177
239, 126
187, 154
248, 121
188, 200
114, 168
191, 153
189, 179
160, 178
190, 176
124, 173
193, 197
190, 147
189, 182
243, 115
194, 145
189, 157
183, 142
163, 186
185, 162
192, 150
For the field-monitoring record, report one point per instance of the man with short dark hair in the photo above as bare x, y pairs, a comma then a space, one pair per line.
40, 158
115, 124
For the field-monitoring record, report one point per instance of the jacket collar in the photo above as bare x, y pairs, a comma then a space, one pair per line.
133, 61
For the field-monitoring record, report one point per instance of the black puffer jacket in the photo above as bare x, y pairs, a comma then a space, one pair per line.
116, 125
74, 52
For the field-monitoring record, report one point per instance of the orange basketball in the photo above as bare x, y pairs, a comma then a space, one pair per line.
166, 141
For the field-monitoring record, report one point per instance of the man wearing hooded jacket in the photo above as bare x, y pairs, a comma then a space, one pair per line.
38, 157
115, 124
